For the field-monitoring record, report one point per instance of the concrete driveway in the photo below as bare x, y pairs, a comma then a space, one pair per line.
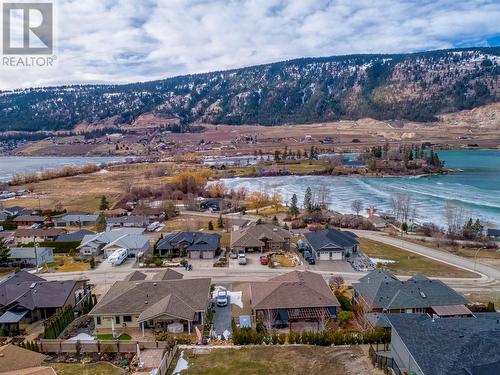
222, 316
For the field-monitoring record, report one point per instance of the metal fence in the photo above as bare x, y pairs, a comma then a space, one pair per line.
385, 363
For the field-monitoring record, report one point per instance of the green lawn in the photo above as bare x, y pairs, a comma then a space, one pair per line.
101, 368
408, 263
290, 360
109, 336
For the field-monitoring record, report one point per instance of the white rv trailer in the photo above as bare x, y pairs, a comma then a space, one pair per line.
118, 257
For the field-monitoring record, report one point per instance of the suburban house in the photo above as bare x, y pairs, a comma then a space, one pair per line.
261, 237
74, 236
167, 274
27, 221
331, 244
15, 360
130, 221
76, 220
152, 213
26, 236
493, 234
26, 298
381, 291
175, 305
131, 239
193, 245
14, 211
297, 300
135, 276
423, 345
30, 256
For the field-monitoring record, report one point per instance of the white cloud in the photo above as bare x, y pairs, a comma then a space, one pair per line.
130, 40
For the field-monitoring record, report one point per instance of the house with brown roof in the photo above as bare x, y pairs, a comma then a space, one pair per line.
174, 304
26, 298
18, 361
297, 300
26, 236
261, 237
26, 221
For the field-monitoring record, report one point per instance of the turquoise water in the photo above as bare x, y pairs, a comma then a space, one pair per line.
10, 165
476, 188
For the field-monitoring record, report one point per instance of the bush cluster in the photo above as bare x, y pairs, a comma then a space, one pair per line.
58, 322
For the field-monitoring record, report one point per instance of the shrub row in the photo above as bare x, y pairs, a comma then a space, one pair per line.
248, 336
58, 322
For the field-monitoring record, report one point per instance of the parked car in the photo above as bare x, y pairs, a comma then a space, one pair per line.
242, 259
264, 260
311, 260
222, 298
307, 254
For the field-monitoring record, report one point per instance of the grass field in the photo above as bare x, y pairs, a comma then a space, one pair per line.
408, 263
65, 263
100, 368
291, 360
122, 337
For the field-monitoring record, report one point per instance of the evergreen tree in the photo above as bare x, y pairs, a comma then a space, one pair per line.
101, 223
308, 204
104, 205
294, 210
220, 222
210, 225
4, 251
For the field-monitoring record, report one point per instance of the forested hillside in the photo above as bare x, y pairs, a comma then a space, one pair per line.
404, 86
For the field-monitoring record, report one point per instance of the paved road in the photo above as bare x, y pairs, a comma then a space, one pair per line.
488, 279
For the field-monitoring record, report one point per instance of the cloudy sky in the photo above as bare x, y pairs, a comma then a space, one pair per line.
132, 40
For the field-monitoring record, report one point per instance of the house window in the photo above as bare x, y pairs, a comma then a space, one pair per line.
117, 319
127, 318
98, 320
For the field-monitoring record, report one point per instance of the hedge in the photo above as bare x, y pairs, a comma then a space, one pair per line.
248, 336
58, 322
59, 247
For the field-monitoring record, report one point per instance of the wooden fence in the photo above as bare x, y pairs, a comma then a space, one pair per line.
166, 361
385, 363
97, 346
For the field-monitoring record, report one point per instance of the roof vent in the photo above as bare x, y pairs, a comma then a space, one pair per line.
155, 284
422, 294
32, 285
146, 302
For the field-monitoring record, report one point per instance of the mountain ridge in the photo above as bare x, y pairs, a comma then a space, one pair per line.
417, 86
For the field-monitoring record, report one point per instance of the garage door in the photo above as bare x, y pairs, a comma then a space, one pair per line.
336, 255
324, 256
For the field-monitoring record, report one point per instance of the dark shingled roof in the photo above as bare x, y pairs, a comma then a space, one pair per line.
135, 276
195, 241
292, 290
149, 298
331, 238
30, 291
167, 274
74, 236
381, 289
447, 346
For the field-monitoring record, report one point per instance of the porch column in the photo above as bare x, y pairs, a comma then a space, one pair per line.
142, 326
189, 327
113, 326
202, 318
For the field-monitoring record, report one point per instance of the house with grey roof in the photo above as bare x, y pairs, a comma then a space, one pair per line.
261, 237
24, 257
175, 305
26, 298
296, 300
76, 220
331, 244
107, 242
193, 245
128, 221
381, 291
423, 345
76, 236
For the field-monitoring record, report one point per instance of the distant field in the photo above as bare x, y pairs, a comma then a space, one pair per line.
408, 263
291, 360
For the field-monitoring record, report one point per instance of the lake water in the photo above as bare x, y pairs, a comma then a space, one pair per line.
10, 165
476, 189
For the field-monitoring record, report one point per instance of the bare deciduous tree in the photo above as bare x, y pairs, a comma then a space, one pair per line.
357, 206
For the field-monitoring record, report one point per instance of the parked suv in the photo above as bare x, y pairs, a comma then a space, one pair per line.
242, 259
221, 299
